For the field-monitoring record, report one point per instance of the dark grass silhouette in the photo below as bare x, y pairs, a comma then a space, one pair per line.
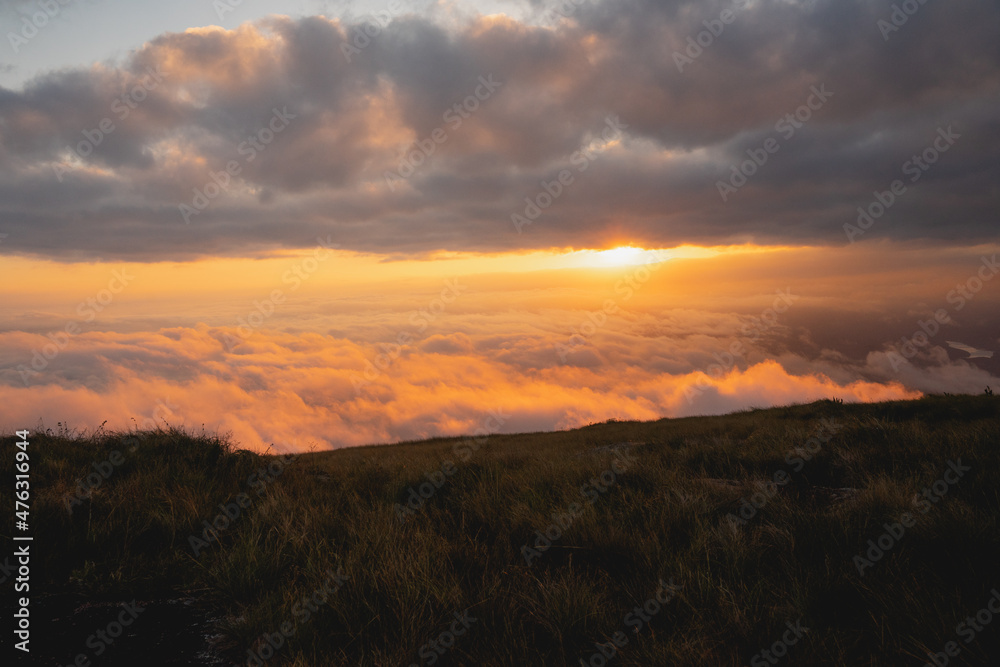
664, 518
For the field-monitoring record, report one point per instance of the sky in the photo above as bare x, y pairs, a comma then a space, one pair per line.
324, 224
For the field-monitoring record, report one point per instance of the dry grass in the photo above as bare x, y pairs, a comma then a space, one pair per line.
665, 518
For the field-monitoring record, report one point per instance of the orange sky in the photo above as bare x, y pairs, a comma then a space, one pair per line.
363, 350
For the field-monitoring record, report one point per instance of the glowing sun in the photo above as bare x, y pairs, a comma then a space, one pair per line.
625, 256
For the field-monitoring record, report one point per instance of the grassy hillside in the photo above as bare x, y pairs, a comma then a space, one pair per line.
663, 536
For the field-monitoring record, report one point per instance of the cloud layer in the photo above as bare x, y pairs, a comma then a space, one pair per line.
301, 390
335, 365
412, 98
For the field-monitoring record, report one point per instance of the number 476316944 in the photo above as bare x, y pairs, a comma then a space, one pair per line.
22, 480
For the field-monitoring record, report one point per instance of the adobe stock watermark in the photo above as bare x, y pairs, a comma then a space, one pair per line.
968, 629
464, 450
48, 10
963, 293
923, 502
122, 107
751, 332
779, 649
591, 490
420, 320
597, 319
419, 152
915, 168
230, 512
898, 17
796, 458
88, 311
270, 643
219, 181
223, 7
637, 619
263, 310
966, 291
86, 486
370, 28
103, 470
559, 9
160, 412
100, 641
432, 651
469, 446
714, 28
786, 126
549, 191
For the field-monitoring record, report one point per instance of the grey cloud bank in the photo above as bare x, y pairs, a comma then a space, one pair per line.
355, 118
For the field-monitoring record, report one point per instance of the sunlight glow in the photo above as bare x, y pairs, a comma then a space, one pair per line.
627, 256
620, 256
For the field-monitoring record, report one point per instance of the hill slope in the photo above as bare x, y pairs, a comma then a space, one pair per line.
822, 534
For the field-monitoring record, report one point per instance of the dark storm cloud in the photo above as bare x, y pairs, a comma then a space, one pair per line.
355, 105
